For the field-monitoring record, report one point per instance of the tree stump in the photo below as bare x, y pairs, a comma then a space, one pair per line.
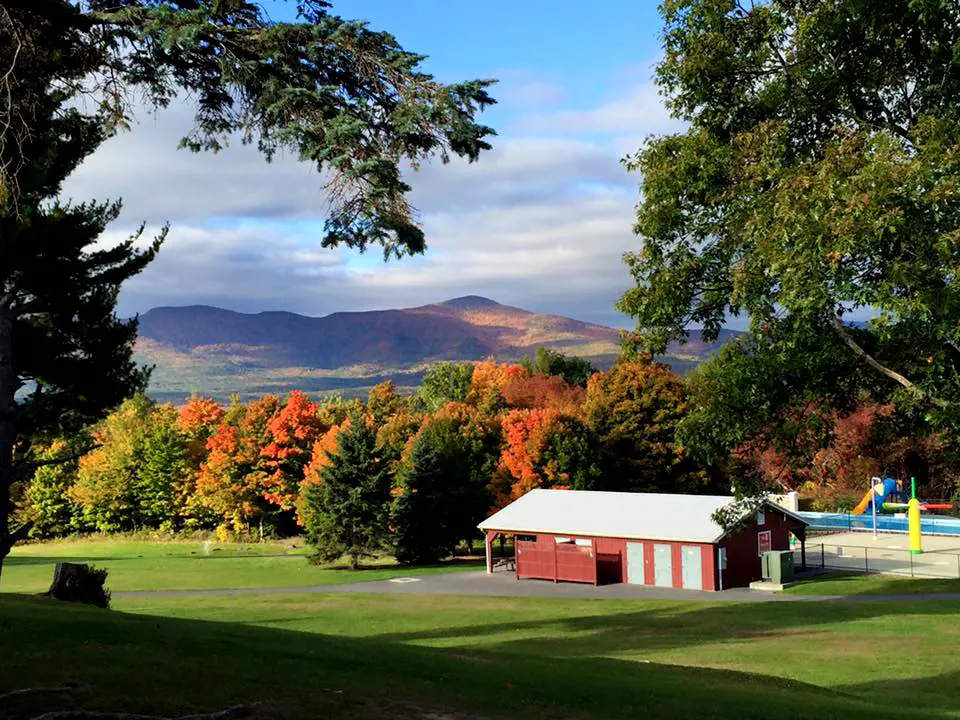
79, 582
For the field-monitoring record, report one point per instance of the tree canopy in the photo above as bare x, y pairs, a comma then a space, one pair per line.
334, 93
817, 177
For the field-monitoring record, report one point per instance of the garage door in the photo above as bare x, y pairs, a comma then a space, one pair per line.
663, 565
635, 563
692, 571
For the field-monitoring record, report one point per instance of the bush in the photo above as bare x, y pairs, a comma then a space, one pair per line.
76, 582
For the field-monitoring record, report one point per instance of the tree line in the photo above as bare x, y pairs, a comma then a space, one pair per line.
411, 474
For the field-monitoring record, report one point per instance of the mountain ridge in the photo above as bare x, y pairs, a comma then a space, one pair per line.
220, 352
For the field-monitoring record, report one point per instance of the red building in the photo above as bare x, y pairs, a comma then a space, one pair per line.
639, 538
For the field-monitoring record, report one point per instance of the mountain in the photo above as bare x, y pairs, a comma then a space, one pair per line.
220, 352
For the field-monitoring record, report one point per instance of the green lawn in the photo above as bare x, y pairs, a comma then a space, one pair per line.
141, 565
843, 583
366, 656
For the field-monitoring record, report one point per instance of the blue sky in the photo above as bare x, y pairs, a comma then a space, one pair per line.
540, 222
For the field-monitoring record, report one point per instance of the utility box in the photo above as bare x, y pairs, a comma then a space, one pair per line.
778, 566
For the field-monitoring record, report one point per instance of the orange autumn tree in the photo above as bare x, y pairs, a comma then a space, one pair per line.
487, 383
293, 432
523, 390
198, 420
635, 408
542, 447
231, 481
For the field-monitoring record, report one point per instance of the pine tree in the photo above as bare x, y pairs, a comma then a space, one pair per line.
441, 490
347, 511
422, 511
336, 94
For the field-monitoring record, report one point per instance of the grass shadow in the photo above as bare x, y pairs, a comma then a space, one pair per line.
662, 625
150, 664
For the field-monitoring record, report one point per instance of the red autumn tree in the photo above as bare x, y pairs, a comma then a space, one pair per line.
293, 432
522, 390
231, 480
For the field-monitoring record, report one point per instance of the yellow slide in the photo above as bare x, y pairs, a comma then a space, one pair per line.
881, 491
862, 505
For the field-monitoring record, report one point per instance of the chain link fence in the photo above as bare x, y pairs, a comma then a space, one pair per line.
854, 558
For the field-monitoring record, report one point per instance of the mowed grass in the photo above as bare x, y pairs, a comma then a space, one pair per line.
366, 656
843, 583
172, 565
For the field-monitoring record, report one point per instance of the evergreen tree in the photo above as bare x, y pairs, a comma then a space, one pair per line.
442, 491
334, 93
347, 511
423, 511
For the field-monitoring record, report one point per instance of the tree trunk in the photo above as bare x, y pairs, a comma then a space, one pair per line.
8, 434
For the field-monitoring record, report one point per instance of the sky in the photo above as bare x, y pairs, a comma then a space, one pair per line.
540, 222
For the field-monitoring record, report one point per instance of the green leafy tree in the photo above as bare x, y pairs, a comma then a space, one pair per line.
818, 175
574, 370
165, 475
383, 402
635, 408
334, 93
48, 504
108, 483
446, 382
346, 512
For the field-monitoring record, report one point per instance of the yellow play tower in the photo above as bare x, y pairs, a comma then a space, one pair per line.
913, 519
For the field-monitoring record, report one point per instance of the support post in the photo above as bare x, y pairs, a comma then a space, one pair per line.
488, 543
873, 504
823, 557
803, 553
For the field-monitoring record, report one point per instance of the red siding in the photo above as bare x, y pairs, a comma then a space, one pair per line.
676, 564
648, 577
606, 560
743, 557
708, 563
546, 559
607, 548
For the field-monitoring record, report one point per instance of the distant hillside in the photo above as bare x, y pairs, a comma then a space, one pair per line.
220, 352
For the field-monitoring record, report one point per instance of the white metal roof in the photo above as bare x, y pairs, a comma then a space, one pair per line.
640, 516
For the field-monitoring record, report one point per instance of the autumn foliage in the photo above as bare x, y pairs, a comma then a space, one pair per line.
495, 432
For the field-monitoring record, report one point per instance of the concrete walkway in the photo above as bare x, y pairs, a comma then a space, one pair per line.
503, 584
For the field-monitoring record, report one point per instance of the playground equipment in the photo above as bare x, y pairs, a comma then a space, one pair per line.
876, 500
878, 493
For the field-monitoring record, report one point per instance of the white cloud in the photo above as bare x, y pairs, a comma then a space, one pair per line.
541, 221
639, 110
